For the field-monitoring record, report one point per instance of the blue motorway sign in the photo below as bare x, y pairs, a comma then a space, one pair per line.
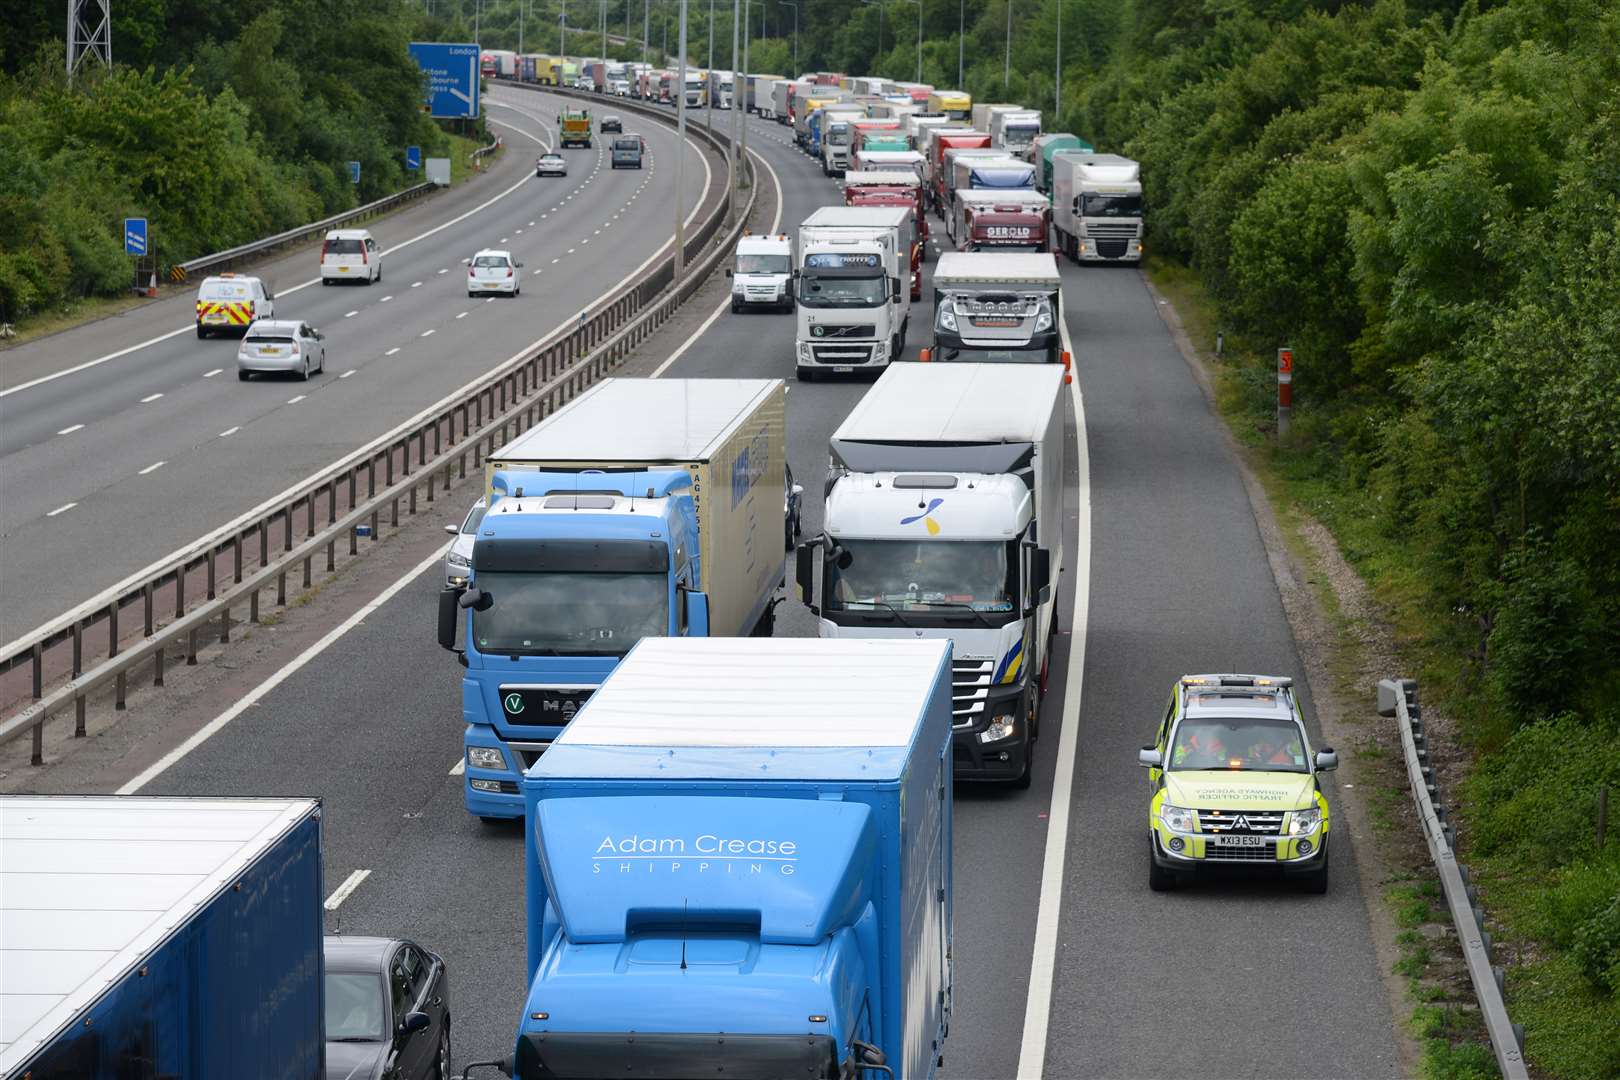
354, 172
452, 75
134, 236
413, 157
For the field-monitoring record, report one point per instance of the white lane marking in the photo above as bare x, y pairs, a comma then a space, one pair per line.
776, 223
346, 374
229, 431
282, 292
554, 262
416, 284
504, 239
152, 468
350, 314
519, 232
392, 351
459, 767
461, 315
444, 271
531, 224
1043, 959
427, 333
150, 398
385, 300
296, 400
64, 508
343, 891
211, 374
572, 250
71, 430
254, 696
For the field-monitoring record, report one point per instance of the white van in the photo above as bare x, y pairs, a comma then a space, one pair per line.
763, 274
350, 255
230, 302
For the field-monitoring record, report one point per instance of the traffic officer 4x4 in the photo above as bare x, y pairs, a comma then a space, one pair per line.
1234, 782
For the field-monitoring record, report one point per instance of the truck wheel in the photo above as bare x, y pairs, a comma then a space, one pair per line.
804, 374
1027, 777
1159, 879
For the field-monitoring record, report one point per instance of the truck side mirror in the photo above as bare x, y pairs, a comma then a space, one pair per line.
894, 290
475, 599
448, 603
697, 614
1040, 569
804, 573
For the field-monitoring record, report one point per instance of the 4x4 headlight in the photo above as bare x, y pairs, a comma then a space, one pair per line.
1002, 727
485, 757
1305, 821
456, 558
1178, 819
947, 316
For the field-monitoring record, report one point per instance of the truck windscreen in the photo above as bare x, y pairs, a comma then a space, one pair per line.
570, 614
822, 290
924, 575
674, 1056
1111, 206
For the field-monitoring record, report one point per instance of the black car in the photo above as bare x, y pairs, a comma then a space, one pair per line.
612, 123
387, 1010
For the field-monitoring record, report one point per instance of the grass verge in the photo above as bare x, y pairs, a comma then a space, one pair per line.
1524, 798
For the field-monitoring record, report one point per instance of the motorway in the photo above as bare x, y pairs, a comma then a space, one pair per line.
1221, 980
106, 468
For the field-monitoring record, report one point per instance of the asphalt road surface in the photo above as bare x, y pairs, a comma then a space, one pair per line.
1220, 980
108, 468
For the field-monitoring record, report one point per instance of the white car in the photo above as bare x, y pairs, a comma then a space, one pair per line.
280, 346
350, 255
551, 165
493, 271
458, 560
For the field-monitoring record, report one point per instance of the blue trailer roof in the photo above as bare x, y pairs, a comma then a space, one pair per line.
753, 709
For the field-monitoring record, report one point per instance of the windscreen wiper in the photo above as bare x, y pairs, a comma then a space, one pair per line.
969, 608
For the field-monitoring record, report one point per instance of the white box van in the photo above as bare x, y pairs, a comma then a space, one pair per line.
350, 255
230, 302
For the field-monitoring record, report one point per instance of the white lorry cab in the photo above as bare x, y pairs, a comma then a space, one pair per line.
837, 137
852, 264
944, 519
1097, 206
1014, 130
763, 274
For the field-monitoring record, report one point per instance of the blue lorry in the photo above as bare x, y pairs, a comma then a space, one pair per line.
739, 865
642, 508
176, 938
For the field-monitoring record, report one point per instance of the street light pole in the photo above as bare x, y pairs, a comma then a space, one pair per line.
795, 6
1057, 79
733, 157
961, 35
1006, 69
919, 38
680, 152
521, 5
708, 76
646, 28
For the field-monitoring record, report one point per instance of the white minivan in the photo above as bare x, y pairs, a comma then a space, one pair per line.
350, 255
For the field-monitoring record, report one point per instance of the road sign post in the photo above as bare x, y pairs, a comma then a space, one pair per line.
1285, 390
413, 157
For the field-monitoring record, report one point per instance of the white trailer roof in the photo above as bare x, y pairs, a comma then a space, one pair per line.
864, 177
642, 420
762, 693
1009, 267
987, 196
920, 403
857, 217
89, 885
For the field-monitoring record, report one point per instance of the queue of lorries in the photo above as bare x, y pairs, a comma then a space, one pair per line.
735, 864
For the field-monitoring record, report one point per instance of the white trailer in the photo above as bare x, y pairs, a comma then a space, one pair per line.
983, 109
1097, 206
945, 519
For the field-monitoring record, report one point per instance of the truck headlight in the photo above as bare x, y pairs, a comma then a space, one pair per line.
1002, 727
1305, 821
947, 317
1177, 819
880, 350
1043, 317
804, 351
456, 558
485, 757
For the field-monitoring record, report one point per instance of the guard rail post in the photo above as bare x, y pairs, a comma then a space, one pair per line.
1398, 698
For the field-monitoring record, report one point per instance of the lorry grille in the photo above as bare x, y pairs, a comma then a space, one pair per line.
1112, 230
542, 706
970, 688
842, 355
1112, 249
1216, 853
859, 330
1240, 822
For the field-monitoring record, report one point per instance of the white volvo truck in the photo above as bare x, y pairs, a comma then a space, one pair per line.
944, 518
852, 266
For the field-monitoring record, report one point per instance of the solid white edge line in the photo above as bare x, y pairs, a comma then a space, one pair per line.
254, 696
64, 508
152, 468
343, 891
718, 311
1043, 958
71, 430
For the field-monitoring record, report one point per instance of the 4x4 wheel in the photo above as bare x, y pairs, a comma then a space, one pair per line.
1159, 879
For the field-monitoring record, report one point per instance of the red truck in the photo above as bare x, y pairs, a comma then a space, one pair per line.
894, 189
956, 140
991, 220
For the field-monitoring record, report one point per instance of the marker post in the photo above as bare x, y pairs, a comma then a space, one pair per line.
1285, 390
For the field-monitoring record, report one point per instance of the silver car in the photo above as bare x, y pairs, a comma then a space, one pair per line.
551, 165
280, 346
458, 560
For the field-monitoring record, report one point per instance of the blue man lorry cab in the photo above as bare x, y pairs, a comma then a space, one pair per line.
739, 864
642, 509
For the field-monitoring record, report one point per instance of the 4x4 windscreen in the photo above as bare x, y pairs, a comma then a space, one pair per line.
350, 246
1239, 744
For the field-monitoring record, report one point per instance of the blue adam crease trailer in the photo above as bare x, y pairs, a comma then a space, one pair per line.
157, 937
739, 865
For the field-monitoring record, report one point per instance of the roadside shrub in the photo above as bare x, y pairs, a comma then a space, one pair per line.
1535, 799
1597, 947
